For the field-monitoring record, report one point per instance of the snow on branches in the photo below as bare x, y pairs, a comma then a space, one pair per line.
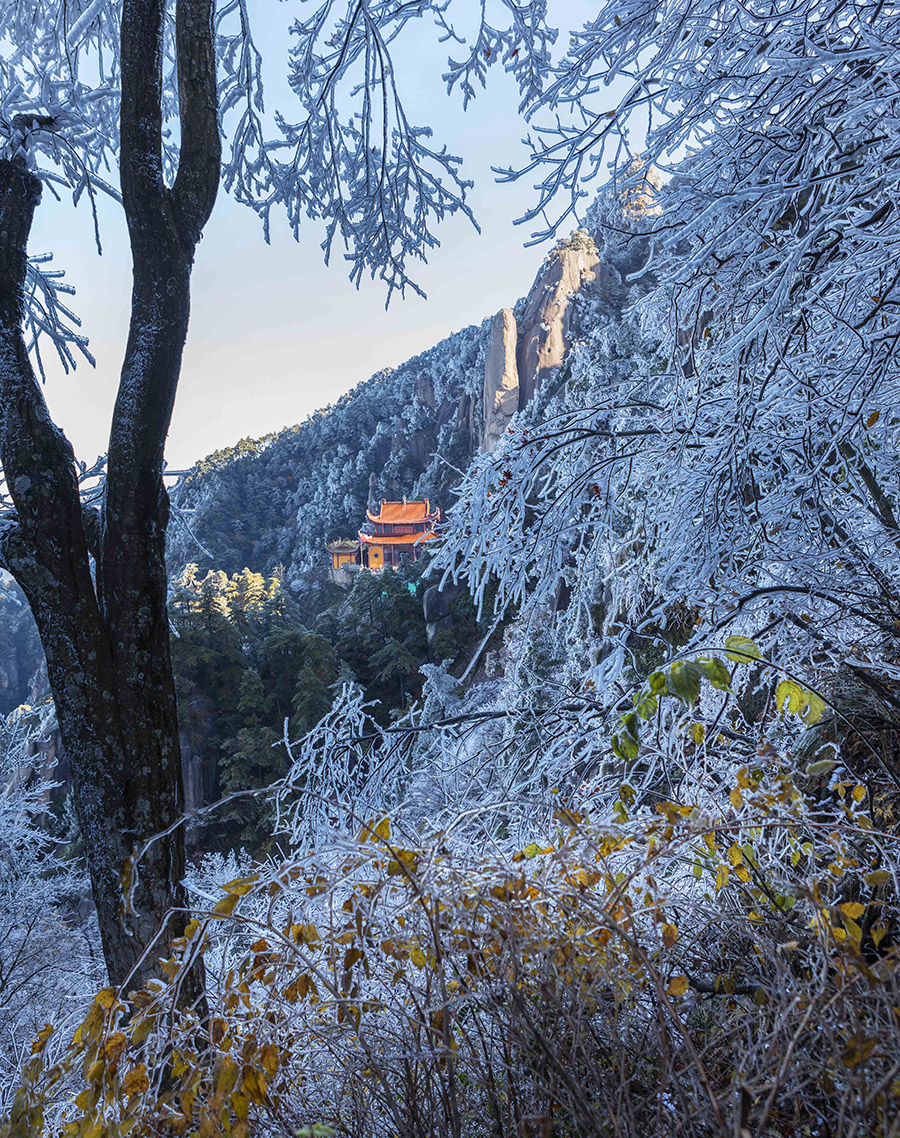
727, 444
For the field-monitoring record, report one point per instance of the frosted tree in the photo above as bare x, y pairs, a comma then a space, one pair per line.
154, 104
731, 447
45, 958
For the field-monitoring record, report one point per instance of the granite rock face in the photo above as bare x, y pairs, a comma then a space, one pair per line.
544, 327
522, 353
501, 378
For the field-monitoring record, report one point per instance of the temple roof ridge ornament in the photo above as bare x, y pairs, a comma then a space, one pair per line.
405, 512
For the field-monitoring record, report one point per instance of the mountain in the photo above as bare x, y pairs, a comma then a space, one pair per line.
275, 500
411, 431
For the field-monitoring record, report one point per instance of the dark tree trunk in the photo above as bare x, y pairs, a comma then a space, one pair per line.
97, 586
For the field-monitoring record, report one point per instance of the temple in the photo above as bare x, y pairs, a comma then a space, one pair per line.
395, 534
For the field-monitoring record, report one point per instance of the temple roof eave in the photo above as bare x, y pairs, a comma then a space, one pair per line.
396, 539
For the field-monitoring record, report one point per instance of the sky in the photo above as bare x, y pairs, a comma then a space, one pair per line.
275, 334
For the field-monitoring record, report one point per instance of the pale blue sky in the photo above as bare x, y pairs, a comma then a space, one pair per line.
274, 334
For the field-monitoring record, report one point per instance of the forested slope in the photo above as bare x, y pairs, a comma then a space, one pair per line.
406, 431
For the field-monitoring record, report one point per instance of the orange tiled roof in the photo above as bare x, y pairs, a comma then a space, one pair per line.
402, 512
396, 539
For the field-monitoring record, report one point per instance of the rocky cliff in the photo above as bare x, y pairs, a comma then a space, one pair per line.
525, 350
406, 431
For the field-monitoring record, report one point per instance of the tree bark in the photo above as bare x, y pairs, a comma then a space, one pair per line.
103, 622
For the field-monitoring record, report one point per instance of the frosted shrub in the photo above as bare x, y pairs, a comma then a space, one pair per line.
683, 967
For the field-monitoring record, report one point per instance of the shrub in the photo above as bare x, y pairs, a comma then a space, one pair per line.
690, 968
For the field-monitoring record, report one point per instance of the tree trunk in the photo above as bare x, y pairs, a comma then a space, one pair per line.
97, 585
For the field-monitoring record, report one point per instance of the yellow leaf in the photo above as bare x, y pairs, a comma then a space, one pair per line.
351, 956
823, 766
721, 877
240, 1104
305, 934
853, 909
797, 700
136, 1081
92, 1023
859, 793
878, 933
677, 986
372, 831
873, 419
742, 649
114, 1046
669, 935
106, 997
241, 885
737, 799
406, 862
877, 877
735, 856
698, 733
815, 708
790, 697
43, 1035
226, 906
253, 1085
417, 956
270, 1059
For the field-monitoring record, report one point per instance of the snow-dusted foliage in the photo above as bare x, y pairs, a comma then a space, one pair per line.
725, 458
669, 973
344, 152
50, 961
637, 872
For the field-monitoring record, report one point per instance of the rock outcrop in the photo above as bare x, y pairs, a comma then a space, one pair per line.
436, 608
522, 354
544, 327
501, 378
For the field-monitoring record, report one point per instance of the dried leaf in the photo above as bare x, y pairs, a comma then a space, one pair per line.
136, 1081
